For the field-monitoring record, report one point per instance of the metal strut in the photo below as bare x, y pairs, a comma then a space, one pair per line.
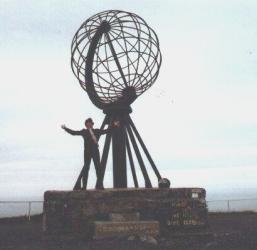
157, 173
133, 171
139, 157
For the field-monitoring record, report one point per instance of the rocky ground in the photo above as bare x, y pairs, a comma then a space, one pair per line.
227, 231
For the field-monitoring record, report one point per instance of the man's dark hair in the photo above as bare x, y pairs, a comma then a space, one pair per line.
89, 120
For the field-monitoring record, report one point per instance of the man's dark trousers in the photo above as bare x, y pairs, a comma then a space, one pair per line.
88, 155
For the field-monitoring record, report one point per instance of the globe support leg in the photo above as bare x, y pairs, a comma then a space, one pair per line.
119, 157
157, 173
105, 151
139, 157
133, 171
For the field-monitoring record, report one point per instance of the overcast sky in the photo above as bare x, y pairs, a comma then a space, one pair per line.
199, 120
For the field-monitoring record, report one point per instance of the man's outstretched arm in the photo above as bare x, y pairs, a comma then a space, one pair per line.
70, 131
115, 124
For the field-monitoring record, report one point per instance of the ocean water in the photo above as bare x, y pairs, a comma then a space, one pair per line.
232, 200
12, 209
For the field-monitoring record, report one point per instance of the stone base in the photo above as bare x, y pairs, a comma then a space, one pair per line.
75, 212
125, 228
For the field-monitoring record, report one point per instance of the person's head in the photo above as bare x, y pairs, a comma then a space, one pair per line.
89, 123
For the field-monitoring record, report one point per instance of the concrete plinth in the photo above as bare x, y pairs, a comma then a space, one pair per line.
75, 212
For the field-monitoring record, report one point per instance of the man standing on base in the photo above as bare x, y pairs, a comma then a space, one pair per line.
91, 151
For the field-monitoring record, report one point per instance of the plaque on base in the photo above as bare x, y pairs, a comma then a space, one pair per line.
105, 229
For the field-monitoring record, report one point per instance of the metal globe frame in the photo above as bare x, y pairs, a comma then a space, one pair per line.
116, 57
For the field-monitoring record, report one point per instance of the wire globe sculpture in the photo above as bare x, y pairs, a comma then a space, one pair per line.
116, 57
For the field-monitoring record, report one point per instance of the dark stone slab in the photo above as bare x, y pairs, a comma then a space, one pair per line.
105, 229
